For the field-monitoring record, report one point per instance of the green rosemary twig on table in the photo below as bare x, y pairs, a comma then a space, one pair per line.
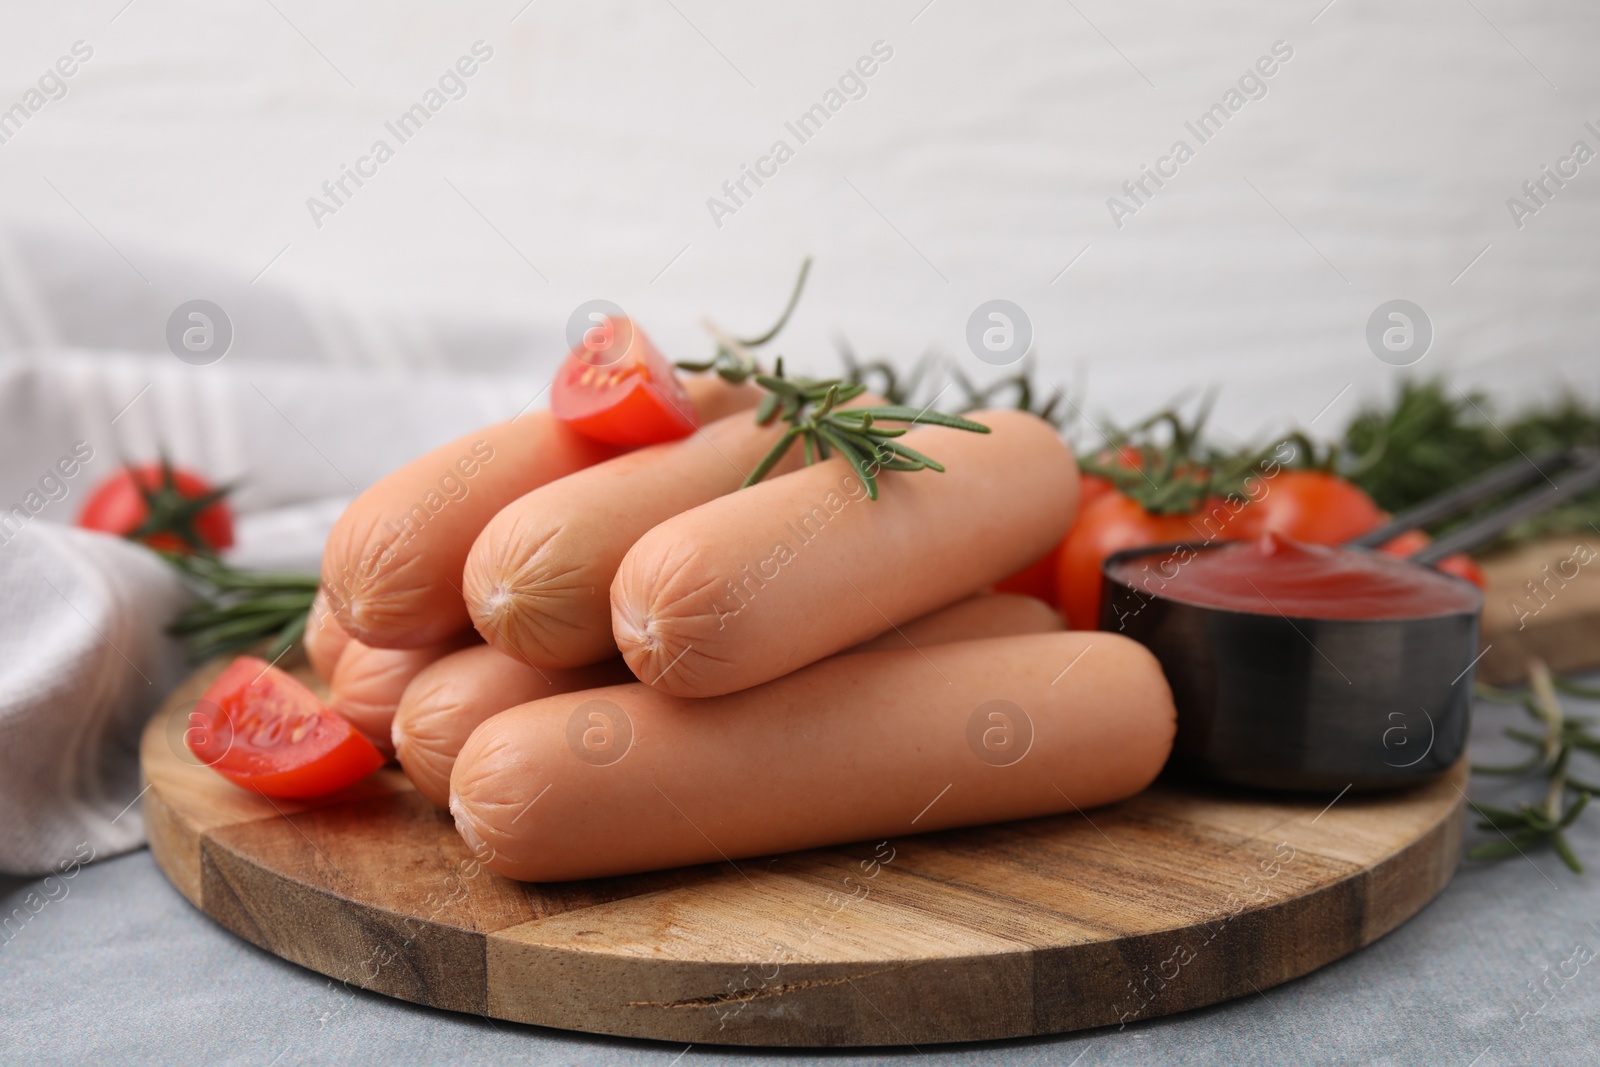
1552, 749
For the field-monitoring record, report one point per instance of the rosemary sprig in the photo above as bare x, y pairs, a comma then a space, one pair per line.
1023, 395
1016, 391
237, 609
234, 609
811, 408
1552, 749
1432, 436
733, 359
1165, 463
883, 377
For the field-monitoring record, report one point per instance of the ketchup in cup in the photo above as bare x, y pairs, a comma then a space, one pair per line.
1273, 575
1303, 667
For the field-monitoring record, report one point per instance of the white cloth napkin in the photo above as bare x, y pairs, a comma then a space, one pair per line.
86, 660
85, 386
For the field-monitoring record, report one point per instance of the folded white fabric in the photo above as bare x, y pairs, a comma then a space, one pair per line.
83, 654
86, 659
312, 404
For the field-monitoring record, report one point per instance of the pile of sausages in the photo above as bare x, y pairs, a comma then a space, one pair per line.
605, 662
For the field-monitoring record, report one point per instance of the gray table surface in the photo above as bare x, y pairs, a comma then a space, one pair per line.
123, 969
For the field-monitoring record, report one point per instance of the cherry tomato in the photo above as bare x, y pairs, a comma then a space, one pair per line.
1038, 579
1460, 564
164, 507
1092, 487
1406, 544
1464, 566
262, 730
1110, 524
1312, 507
616, 387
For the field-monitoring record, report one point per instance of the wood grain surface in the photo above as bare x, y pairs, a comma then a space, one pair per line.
1181, 897
1542, 601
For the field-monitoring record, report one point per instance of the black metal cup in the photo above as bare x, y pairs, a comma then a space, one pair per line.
1288, 703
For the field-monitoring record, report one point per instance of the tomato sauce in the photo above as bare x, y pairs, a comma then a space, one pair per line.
1273, 575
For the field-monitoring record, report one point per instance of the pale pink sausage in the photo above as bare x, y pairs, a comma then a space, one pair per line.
447, 700
392, 564
752, 585
367, 683
538, 578
450, 697
983, 615
324, 638
873, 745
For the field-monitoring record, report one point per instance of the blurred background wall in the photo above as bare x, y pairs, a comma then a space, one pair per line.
976, 162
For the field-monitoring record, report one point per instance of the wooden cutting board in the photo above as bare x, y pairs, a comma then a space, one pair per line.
1181, 897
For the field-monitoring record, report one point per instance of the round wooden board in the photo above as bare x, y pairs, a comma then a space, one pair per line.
1181, 897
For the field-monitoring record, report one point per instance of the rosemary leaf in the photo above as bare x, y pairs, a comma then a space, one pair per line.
1564, 850
771, 459
861, 462
252, 626
1532, 764
780, 386
911, 454
767, 409
923, 417
292, 631
1577, 809
1571, 688
783, 320
1497, 850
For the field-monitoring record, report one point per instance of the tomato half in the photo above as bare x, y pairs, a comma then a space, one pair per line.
262, 730
167, 508
1110, 524
1461, 565
1313, 507
616, 387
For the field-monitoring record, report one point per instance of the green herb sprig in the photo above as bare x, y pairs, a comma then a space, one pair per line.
882, 377
1432, 436
734, 360
1166, 464
811, 408
1561, 736
238, 609
1016, 391
234, 609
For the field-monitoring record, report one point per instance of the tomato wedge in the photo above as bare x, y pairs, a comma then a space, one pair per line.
262, 730
615, 386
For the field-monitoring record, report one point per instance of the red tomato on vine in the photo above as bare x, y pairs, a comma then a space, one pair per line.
1310, 506
165, 507
1112, 523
